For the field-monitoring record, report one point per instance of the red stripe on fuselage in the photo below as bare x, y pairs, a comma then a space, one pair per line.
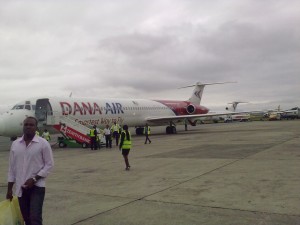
179, 107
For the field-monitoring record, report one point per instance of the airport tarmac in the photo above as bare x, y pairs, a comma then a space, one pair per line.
214, 174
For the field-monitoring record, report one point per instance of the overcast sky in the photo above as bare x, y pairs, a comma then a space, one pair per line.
147, 49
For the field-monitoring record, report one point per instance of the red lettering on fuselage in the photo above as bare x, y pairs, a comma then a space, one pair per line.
87, 107
77, 108
96, 108
82, 108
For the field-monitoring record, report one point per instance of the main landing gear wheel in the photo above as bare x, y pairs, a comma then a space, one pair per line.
139, 131
171, 130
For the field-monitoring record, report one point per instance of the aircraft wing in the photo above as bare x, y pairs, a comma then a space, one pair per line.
182, 117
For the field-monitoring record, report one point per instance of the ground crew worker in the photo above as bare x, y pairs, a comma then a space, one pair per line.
125, 145
147, 133
115, 131
46, 135
93, 135
37, 132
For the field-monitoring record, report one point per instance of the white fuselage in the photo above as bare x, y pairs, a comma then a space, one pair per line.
89, 111
86, 111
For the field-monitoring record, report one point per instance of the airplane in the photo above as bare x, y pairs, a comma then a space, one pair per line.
228, 117
53, 113
4, 108
293, 113
241, 116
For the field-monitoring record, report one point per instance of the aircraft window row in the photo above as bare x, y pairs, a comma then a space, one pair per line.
127, 108
144, 108
138, 108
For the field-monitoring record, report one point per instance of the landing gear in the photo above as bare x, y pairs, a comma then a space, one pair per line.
139, 130
171, 129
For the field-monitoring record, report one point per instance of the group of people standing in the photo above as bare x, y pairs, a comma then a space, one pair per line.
45, 134
109, 133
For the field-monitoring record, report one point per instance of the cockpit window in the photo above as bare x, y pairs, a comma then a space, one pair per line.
18, 107
28, 107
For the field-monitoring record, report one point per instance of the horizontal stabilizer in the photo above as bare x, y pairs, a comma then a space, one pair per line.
204, 84
198, 91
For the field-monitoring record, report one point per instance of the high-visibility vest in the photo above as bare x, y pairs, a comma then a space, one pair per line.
126, 143
115, 128
147, 131
92, 132
46, 135
37, 133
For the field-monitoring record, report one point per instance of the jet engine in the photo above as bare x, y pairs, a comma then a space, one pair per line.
190, 109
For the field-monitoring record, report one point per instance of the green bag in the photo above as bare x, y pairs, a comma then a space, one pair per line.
10, 213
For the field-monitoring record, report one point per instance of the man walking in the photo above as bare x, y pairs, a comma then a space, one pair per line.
147, 133
30, 162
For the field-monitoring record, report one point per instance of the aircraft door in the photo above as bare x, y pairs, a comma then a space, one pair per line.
43, 109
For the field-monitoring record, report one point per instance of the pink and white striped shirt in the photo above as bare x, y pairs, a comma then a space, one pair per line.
28, 161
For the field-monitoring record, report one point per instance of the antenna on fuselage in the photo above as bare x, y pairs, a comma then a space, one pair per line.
198, 91
70, 94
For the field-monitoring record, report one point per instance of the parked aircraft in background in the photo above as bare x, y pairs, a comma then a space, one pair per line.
57, 113
228, 116
241, 117
293, 113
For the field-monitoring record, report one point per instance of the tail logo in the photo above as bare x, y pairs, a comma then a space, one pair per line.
197, 94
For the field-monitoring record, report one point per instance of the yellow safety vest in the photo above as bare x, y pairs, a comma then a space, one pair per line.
115, 128
46, 135
92, 133
37, 133
145, 130
126, 143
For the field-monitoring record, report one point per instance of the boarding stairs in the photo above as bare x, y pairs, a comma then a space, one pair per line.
68, 126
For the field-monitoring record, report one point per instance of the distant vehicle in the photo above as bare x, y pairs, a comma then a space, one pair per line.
278, 114
241, 117
275, 116
257, 115
228, 115
292, 114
